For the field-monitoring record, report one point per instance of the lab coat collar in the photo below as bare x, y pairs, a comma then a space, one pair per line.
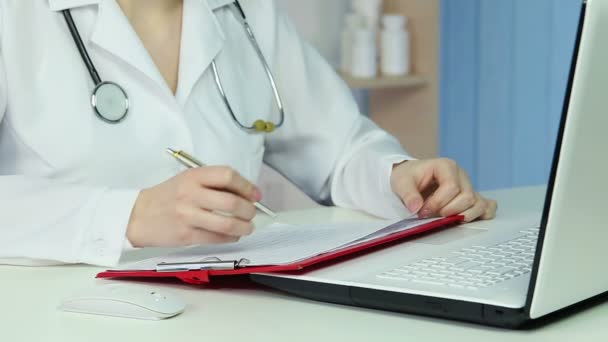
202, 40
217, 4
113, 32
59, 5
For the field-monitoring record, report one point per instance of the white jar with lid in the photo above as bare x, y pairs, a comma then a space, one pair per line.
352, 23
365, 55
394, 46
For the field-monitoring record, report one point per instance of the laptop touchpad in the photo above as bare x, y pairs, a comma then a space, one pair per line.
449, 235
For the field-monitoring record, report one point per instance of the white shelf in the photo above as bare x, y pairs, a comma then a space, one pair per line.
383, 82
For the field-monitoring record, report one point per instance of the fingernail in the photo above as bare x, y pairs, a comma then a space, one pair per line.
257, 195
426, 213
414, 206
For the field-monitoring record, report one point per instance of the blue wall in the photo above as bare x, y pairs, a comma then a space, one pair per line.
504, 70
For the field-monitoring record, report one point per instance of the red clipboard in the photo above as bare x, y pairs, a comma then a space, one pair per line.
204, 276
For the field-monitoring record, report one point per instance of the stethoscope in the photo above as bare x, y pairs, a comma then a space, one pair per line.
110, 101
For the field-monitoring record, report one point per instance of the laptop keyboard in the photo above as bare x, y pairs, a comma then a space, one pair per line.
473, 267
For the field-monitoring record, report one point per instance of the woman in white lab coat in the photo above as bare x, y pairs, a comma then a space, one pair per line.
76, 189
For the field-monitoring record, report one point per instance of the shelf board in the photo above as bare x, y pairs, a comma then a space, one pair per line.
382, 82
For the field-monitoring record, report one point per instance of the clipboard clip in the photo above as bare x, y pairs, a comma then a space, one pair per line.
214, 264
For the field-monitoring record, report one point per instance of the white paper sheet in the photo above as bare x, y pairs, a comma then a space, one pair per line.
281, 244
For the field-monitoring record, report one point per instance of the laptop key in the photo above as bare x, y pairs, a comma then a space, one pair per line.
500, 271
467, 265
465, 282
476, 270
437, 267
438, 275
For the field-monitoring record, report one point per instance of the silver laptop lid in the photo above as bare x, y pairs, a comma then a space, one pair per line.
573, 239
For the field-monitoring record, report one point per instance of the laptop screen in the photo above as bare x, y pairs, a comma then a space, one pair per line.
573, 234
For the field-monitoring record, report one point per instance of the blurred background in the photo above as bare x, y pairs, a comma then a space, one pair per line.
479, 81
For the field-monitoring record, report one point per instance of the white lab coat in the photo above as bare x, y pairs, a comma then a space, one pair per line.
68, 181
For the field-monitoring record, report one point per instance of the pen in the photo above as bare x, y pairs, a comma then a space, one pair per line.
191, 163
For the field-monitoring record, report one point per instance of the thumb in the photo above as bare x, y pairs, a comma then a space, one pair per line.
409, 194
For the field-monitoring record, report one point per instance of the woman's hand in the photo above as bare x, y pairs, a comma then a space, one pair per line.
199, 206
438, 187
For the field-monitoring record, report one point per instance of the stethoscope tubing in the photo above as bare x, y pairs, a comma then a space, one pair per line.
81, 48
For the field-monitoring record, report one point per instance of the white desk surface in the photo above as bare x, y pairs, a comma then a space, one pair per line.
29, 297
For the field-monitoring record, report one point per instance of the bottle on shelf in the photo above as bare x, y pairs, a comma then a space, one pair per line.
364, 49
394, 46
352, 23
364, 54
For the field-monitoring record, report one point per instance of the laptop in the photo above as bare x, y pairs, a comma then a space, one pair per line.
542, 259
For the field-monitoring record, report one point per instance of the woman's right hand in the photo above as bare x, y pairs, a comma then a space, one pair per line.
199, 206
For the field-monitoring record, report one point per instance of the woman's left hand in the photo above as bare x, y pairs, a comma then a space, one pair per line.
439, 187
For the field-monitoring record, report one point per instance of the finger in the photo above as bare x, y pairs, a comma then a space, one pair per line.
490, 212
463, 202
449, 186
220, 224
476, 211
225, 178
446, 170
407, 190
193, 236
445, 194
214, 200
465, 182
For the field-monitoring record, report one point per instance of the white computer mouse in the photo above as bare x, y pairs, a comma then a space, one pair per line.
125, 301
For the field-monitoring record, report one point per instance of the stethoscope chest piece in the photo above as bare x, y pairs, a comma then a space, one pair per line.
110, 102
